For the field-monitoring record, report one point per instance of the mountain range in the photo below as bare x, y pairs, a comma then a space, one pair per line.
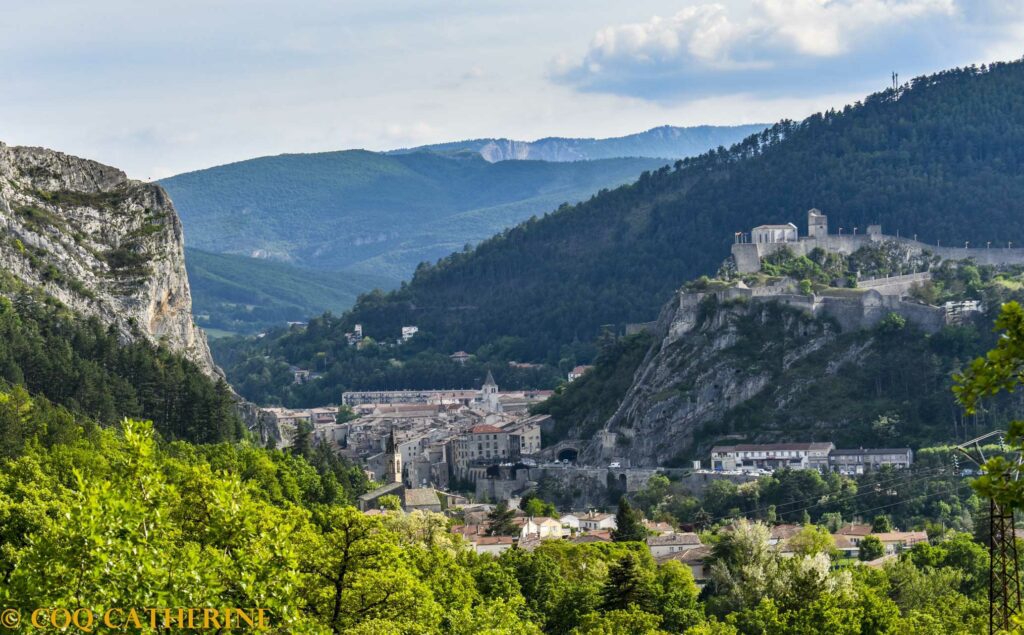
940, 158
368, 219
665, 142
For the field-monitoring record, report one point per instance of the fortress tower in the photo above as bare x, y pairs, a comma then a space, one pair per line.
817, 224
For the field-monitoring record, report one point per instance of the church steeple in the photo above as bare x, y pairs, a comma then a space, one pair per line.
394, 459
489, 394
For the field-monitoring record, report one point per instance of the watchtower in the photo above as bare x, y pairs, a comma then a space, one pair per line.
817, 224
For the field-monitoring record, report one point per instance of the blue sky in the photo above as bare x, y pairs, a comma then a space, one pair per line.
160, 87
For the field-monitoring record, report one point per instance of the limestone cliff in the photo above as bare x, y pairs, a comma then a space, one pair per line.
708, 359
100, 243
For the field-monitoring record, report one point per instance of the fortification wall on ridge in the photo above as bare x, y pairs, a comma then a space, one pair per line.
748, 255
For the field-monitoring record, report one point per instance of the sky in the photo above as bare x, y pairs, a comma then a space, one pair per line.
163, 87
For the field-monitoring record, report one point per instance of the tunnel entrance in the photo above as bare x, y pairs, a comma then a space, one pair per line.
568, 454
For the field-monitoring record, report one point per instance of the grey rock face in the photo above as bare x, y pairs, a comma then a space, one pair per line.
700, 368
100, 243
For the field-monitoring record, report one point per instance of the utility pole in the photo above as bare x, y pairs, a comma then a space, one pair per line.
1003, 574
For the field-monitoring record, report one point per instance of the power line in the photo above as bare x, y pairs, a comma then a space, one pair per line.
885, 484
843, 499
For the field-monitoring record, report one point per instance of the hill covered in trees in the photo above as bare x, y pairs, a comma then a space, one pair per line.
239, 294
371, 213
100, 519
941, 158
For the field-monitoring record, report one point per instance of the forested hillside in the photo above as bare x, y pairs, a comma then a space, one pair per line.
103, 519
940, 158
84, 366
372, 213
239, 294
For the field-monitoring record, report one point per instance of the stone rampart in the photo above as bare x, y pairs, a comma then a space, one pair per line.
748, 255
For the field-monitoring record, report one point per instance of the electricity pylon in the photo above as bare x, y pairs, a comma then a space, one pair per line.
1003, 576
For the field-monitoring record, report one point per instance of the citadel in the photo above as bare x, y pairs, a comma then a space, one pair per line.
861, 307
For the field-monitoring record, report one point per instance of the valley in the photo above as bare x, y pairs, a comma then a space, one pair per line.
709, 380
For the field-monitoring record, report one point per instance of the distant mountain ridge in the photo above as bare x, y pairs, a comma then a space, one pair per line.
941, 158
372, 213
663, 142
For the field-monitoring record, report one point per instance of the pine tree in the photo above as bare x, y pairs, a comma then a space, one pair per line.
629, 526
500, 520
628, 583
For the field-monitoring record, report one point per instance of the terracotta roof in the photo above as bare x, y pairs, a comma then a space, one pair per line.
854, 529
469, 530
591, 537
662, 526
843, 541
495, 540
674, 539
484, 428
782, 532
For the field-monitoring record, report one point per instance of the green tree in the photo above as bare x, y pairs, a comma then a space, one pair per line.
533, 505
390, 502
1001, 370
500, 520
630, 621
812, 540
881, 524
676, 599
870, 548
629, 525
630, 583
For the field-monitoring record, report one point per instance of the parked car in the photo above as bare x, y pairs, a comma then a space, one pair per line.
614, 465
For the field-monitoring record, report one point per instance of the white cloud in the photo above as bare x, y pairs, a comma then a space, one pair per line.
757, 36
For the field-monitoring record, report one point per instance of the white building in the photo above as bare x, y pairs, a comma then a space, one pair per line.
578, 372
597, 521
668, 544
774, 233
772, 456
854, 462
408, 332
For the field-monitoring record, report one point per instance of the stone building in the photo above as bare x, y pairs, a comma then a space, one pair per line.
861, 460
772, 456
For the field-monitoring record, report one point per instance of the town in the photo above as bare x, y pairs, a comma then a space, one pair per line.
468, 453
478, 455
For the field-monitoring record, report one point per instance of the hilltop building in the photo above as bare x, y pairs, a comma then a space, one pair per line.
763, 240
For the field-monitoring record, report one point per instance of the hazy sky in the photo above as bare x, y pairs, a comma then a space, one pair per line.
159, 87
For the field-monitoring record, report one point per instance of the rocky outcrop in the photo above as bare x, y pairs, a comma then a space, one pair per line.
708, 358
100, 243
